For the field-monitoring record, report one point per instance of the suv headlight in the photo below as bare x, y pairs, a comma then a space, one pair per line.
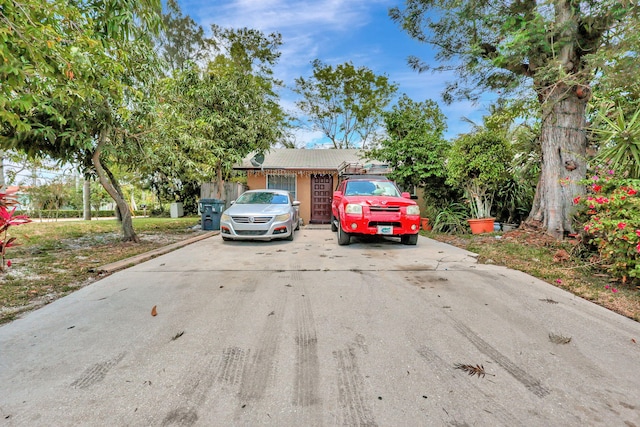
283, 217
413, 210
225, 218
353, 209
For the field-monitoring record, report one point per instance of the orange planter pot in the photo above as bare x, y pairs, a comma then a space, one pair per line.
481, 225
425, 224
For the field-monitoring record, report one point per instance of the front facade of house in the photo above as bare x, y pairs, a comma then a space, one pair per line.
310, 176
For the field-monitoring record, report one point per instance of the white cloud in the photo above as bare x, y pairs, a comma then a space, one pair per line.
308, 27
287, 17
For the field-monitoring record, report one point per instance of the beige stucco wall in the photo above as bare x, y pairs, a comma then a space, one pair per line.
303, 190
256, 182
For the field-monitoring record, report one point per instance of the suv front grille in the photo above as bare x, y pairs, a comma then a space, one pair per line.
384, 208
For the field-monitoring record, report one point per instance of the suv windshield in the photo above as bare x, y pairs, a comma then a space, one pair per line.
371, 188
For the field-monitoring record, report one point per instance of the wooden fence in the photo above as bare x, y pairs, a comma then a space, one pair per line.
209, 190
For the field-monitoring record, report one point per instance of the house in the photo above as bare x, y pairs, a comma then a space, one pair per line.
310, 176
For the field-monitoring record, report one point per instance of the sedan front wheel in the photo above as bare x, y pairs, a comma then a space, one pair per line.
290, 236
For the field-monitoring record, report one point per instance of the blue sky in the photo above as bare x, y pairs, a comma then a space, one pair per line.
336, 31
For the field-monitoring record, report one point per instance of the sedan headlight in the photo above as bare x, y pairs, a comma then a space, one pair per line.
413, 210
283, 217
353, 209
225, 218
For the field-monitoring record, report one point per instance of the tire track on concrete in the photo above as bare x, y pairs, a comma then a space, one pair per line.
232, 362
532, 384
226, 367
453, 412
257, 372
193, 393
307, 373
97, 372
351, 390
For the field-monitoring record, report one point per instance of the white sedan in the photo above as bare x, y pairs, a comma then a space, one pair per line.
261, 215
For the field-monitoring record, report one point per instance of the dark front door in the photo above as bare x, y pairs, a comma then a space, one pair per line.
321, 194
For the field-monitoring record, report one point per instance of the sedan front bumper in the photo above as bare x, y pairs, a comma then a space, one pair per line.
260, 228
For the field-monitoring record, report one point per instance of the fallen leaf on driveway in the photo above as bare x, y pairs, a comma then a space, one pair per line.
559, 339
154, 311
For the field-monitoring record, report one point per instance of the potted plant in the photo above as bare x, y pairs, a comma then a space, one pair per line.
479, 163
428, 213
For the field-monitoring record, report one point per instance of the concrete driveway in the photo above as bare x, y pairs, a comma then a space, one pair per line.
311, 333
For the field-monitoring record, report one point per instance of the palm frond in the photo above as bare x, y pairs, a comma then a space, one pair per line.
472, 370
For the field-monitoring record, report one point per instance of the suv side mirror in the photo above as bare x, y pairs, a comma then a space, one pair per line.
337, 194
406, 195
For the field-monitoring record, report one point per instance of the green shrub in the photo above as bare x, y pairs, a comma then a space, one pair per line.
609, 217
452, 219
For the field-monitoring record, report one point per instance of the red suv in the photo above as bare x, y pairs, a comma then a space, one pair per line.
370, 205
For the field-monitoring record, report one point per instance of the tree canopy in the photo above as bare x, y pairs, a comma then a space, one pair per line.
548, 46
209, 117
182, 40
345, 103
75, 73
414, 145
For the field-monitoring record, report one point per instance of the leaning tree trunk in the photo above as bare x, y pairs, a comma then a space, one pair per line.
116, 186
564, 143
129, 234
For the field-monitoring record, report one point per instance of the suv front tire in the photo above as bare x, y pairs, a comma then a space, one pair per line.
409, 239
343, 238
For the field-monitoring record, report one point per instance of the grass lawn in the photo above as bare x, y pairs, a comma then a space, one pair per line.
55, 258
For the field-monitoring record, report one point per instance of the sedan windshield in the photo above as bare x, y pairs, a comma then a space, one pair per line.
262, 198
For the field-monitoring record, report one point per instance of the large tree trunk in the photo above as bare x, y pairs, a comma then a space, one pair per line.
129, 234
564, 143
563, 135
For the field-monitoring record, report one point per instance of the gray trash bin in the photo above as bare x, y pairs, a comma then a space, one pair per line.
211, 210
